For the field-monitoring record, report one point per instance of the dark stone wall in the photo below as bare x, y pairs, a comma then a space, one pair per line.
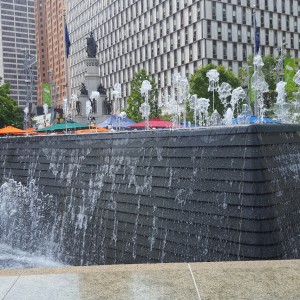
161, 196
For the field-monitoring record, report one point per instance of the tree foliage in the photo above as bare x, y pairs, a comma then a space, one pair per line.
135, 99
10, 113
270, 77
199, 84
269, 70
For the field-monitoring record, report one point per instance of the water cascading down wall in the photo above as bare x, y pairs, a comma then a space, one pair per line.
159, 196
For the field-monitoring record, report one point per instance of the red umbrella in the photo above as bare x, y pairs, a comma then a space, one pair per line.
154, 123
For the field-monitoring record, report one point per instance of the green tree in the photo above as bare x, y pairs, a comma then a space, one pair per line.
135, 99
269, 70
270, 77
199, 84
291, 66
10, 113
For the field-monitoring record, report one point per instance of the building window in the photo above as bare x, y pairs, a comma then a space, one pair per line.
248, 35
199, 49
244, 15
191, 53
208, 29
186, 36
262, 20
219, 30
214, 49
234, 51
224, 12
239, 32
214, 10
229, 32
234, 14
225, 50
271, 20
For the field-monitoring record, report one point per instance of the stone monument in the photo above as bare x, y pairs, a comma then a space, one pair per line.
90, 87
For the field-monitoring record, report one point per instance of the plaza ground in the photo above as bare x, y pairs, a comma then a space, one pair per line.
218, 280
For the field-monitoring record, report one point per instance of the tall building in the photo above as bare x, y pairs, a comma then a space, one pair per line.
170, 36
17, 35
41, 48
49, 15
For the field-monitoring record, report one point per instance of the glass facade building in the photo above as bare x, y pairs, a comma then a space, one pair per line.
17, 35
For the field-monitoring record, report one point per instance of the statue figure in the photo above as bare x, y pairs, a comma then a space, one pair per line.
91, 48
101, 89
83, 90
94, 106
107, 107
78, 110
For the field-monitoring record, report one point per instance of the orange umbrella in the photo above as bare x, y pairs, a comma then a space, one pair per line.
32, 131
93, 129
11, 130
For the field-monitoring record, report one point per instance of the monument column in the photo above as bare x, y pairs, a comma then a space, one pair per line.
92, 79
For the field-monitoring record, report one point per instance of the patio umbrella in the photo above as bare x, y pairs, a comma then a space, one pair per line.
117, 122
64, 126
93, 129
255, 119
11, 130
31, 131
154, 123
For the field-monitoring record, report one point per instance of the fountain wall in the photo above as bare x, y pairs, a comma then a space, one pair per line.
215, 194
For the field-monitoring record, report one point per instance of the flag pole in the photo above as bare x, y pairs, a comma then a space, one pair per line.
254, 28
254, 54
67, 45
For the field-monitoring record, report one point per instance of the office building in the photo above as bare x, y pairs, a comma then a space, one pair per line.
17, 35
164, 37
41, 48
49, 16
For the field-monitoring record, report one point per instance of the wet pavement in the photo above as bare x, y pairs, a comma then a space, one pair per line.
224, 280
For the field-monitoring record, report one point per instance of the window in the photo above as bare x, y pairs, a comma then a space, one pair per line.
244, 52
244, 15
225, 50
199, 49
214, 49
214, 10
186, 36
262, 20
219, 30
208, 29
191, 53
224, 12
248, 35
229, 32
234, 14
234, 51
271, 20
239, 32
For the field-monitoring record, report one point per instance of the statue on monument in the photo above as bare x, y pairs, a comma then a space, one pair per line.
78, 108
101, 89
83, 90
107, 107
93, 105
91, 48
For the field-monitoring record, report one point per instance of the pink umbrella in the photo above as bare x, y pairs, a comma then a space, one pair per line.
154, 123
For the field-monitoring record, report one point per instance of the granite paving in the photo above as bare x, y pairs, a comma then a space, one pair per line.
216, 280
